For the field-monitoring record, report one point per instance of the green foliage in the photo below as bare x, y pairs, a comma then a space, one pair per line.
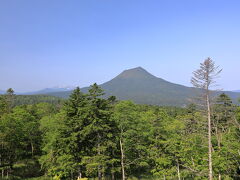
20, 140
34, 99
13, 100
133, 130
3, 105
83, 140
90, 137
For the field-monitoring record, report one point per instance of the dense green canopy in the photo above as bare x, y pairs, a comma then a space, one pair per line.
92, 137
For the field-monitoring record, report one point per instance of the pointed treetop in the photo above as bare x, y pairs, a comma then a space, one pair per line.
10, 91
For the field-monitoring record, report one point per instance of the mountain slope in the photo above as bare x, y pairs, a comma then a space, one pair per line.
236, 91
2, 92
49, 90
142, 87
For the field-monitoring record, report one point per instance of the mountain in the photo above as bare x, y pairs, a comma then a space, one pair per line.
49, 90
2, 92
142, 87
236, 91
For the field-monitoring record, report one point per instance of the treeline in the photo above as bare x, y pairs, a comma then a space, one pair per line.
34, 99
31, 99
92, 137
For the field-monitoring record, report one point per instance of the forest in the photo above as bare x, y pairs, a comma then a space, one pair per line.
91, 137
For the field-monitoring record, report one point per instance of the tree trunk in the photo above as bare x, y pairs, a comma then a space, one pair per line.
210, 175
71, 175
113, 176
32, 147
218, 135
79, 173
122, 159
1, 164
178, 171
103, 175
112, 173
99, 153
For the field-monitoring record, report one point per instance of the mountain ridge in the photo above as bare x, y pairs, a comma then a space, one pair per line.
2, 92
236, 91
142, 87
48, 90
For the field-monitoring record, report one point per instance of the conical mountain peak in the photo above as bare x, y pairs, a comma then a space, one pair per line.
140, 86
138, 73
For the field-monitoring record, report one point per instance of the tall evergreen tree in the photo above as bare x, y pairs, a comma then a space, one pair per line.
100, 132
83, 144
10, 97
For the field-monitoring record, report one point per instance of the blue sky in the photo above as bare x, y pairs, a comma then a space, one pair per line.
46, 43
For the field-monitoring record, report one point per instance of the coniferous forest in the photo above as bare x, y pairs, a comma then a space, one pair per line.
91, 137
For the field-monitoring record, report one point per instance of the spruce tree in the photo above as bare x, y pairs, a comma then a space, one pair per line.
99, 132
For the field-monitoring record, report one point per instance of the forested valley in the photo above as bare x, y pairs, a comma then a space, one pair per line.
91, 137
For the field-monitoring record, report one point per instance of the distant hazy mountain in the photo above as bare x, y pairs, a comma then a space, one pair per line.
142, 87
236, 91
50, 90
2, 92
